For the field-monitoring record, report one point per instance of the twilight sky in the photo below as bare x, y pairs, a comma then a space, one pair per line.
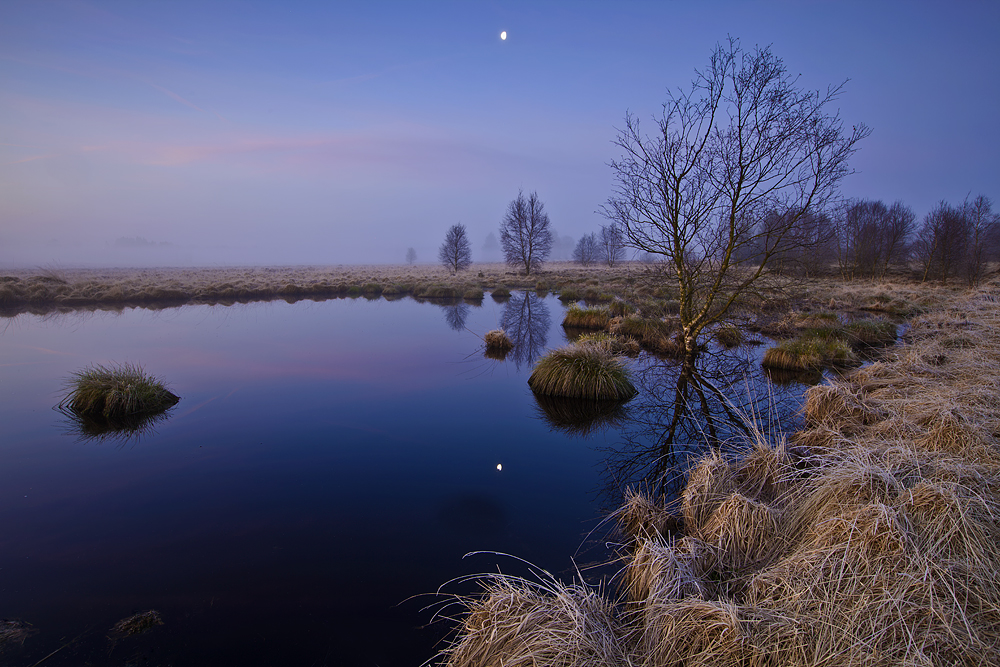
347, 132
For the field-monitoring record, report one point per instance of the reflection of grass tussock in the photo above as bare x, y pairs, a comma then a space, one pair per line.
586, 318
137, 624
582, 371
14, 632
116, 393
579, 416
871, 537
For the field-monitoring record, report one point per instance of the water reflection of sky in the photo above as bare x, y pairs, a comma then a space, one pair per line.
327, 462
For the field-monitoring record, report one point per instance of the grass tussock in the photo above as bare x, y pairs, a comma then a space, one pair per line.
116, 393
521, 623
653, 334
729, 335
622, 345
497, 340
586, 318
872, 537
582, 371
500, 293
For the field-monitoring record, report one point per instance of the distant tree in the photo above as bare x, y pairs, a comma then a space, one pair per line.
411, 256
612, 244
491, 248
958, 241
456, 252
562, 246
941, 242
984, 238
525, 234
745, 140
587, 250
872, 236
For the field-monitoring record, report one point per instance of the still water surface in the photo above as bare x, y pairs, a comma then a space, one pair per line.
327, 463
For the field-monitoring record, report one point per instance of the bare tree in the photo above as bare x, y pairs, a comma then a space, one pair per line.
612, 244
958, 240
411, 256
456, 252
942, 242
586, 251
872, 236
524, 233
984, 238
745, 140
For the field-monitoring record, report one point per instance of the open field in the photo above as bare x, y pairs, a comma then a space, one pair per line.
47, 290
871, 537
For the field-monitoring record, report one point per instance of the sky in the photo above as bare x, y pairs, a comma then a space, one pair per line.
264, 133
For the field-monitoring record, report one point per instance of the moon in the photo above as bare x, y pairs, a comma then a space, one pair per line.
503, 35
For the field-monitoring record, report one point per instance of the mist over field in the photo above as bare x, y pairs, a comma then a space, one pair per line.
221, 134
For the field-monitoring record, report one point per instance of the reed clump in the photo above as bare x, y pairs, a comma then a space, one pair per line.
582, 371
116, 393
586, 318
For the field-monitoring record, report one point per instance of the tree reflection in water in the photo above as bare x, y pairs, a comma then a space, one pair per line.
719, 399
455, 314
526, 320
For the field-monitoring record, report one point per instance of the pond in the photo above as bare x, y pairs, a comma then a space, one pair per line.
328, 467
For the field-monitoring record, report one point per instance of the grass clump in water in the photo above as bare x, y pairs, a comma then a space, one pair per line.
497, 341
116, 393
569, 294
729, 335
809, 353
586, 318
582, 371
500, 293
871, 332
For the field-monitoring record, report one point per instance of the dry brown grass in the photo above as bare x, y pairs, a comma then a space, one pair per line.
521, 623
497, 341
871, 538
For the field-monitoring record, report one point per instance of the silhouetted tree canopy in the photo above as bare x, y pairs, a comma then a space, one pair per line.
456, 251
744, 141
586, 251
525, 234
